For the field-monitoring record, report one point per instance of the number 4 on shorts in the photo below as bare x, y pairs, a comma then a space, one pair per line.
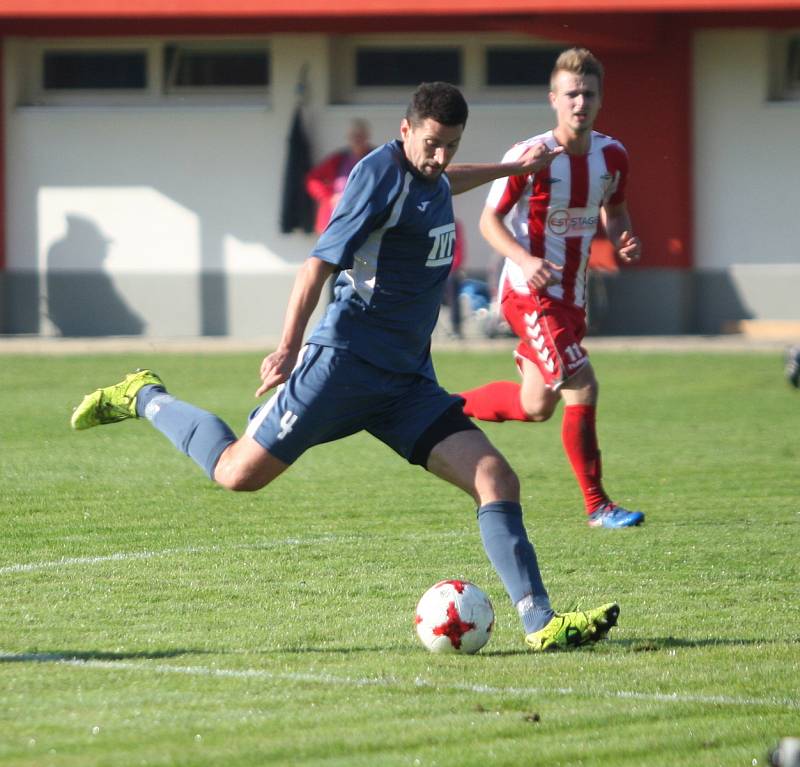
288, 421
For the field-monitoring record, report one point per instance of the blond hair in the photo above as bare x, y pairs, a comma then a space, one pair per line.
577, 61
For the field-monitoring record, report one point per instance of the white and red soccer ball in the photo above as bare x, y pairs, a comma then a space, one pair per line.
454, 616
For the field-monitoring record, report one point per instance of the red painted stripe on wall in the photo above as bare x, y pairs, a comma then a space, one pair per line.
299, 8
3, 118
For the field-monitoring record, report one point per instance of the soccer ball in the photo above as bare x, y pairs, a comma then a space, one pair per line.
454, 616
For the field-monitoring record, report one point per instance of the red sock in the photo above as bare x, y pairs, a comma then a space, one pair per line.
496, 401
579, 435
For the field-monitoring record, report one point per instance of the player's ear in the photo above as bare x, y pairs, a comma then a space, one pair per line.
405, 128
552, 97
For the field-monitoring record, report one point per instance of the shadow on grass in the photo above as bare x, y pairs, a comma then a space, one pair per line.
657, 644
670, 643
338, 650
81, 655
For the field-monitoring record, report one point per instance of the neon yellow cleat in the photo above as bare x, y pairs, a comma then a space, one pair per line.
114, 403
574, 629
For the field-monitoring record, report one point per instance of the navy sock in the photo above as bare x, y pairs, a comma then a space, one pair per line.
512, 554
197, 433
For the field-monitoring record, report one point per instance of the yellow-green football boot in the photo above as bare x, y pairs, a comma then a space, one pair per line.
113, 403
574, 629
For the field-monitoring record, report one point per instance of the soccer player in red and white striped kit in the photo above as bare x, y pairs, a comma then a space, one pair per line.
543, 224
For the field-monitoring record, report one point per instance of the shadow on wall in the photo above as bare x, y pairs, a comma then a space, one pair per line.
720, 303
85, 302
664, 302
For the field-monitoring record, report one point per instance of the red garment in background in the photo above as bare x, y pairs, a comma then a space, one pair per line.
325, 182
460, 249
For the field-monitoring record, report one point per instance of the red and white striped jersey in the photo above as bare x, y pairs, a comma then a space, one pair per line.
555, 213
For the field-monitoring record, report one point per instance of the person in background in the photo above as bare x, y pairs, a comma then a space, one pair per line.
325, 182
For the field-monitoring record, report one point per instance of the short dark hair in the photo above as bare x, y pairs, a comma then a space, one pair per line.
438, 101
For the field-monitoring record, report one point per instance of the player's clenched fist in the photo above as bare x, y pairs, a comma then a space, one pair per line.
629, 247
540, 272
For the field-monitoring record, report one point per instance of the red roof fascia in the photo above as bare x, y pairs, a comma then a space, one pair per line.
154, 9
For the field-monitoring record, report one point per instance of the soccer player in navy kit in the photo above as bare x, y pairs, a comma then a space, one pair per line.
367, 364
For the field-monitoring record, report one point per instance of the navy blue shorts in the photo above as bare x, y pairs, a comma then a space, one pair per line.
332, 393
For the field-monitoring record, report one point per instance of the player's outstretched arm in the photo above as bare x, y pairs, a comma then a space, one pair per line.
276, 367
465, 176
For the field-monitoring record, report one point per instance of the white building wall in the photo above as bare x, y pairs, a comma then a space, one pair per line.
747, 166
177, 206
166, 191
162, 198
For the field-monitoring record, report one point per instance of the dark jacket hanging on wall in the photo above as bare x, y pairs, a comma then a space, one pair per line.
297, 208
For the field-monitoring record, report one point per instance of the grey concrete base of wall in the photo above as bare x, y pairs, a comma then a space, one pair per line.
631, 302
671, 302
79, 304
640, 302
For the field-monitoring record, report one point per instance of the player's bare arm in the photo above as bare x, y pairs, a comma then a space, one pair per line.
276, 367
618, 226
538, 272
466, 176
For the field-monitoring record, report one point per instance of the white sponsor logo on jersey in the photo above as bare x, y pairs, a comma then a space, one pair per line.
444, 240
572, 222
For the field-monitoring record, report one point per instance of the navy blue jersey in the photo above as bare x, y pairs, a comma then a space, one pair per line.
393, 235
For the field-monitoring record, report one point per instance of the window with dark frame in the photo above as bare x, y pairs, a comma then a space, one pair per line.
193, 67
382, 67
784, 67
94, 70
519, 66
793, 63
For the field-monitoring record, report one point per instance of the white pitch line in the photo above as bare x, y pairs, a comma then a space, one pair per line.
124, 556
393, 682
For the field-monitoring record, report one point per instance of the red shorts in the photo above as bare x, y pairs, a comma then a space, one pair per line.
550, 334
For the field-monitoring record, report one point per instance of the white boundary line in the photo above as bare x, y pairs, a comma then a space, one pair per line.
124, 556
395, 683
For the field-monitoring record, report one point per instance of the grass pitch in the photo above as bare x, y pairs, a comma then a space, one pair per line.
150, 618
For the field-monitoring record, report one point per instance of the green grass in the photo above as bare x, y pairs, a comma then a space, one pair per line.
150, 618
